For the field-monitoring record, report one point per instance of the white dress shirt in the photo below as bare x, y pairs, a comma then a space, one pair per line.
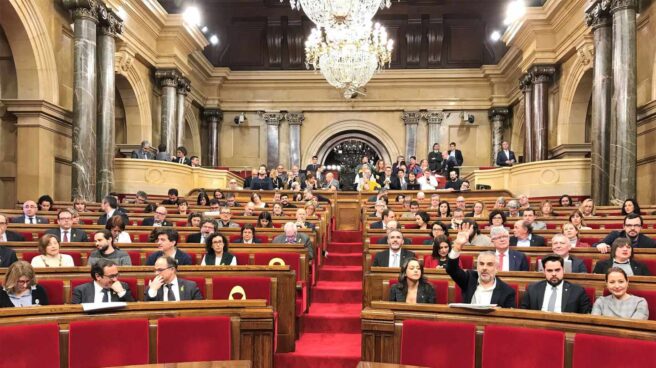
395, 259
61, 235
165, 291
3, 237
559, 297
524, 243
429, 184
98, 294
506, 262
507, 152
27, 220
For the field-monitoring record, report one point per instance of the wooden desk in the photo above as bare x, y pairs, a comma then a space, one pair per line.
214, 364
385, 365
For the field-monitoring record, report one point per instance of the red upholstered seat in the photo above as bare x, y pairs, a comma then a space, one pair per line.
181, 223
650, 296
77, 257
616, 226
617, 352
591, 293
200, 281
142, 238
86, 221
516, 288
254, 288
293, 260
441, 290
193, 339
135, 257
411, 226
27, 256
262, 238
233, 238
419, 239
54, 290
19, 343
467, 262
508, 347
27, 235
438, 344
94, 343
375, 239
650, 263
242, 258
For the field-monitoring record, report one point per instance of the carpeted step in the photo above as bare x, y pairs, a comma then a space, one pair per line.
337, 292
332, 317
340, 273
344, 259
338, 247
346, 236
323, 350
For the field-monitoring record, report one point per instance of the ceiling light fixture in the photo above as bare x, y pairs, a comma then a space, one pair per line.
191, 15
325, 13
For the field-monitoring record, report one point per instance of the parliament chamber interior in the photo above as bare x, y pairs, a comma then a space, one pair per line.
327, 183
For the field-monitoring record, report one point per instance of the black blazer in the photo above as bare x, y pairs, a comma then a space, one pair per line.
536, 241
102, 220
459, 158
376, 225
76, 235
425, 293
642, 241
188, 291
186, 161
12, 236
240, 240
501, 158
194, 238
21, 220
183, 258
7, 256
639, 269
574, 299
151, 220
39, 297
517, 261
382, 258
414, 186
577, 265
503, 295
84, 294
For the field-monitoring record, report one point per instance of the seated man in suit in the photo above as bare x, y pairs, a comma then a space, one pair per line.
301, 223
561, 246
292, 236
173, 197
330, 183
480, 286
207, 228
181, 156
247, 235
506, 157
167, 245
167, 287
6, 235
392, 225
529, 219
159, 219
29, 215
105, 286
388, 215
109, 205
395, 255
105, 250
561, 296
66, 232
632, 227
507, 259
225, 215
145, 152
524, 237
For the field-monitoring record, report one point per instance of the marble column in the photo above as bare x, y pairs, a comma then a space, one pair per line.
411, 121
623, 109
272, 120
526, 86
598, 18
184, 87
542, 76
168, 80
85, 20
110, 27
213, 118
498, 116
295, 120
433, 120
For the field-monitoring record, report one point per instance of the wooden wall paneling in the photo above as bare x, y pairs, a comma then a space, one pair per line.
274, 41
295, 44
247, 42
435, 38
413, 37
464, 42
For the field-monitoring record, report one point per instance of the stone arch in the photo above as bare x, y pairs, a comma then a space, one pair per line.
192, 126
27, 34
388, 150
653, 77
574, 101
135, 97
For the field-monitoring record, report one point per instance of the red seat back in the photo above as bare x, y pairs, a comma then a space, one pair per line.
200, 281
84, 349
242, 258
253, 288
192, 339
650, 296
54, 290
293, 260
419, 240
617, 352
27, 256
591, 293
650, 264
27, 235
375, 239
508, 347
438, 344
135, 257
467, 262
30, 346
77, 257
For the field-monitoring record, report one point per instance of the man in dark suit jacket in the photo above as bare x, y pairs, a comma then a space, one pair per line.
395, 256
181, 156
159, 219
167, 245
476, 285
207, 228
573, 298
561, 246
388, 215
65, 230
109, 205
399, 182
457, 154
506, 157
292, 236
105, 286
7, 256
6, 235
632, 227
29, 215
517, 261
523, 236
166, 286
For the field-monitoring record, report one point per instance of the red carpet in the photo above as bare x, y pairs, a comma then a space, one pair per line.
330, 331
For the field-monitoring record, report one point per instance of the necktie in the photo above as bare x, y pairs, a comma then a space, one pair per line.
105, 298
170, 294
552, 299
500, 265
395, 260
31, 220
65, 237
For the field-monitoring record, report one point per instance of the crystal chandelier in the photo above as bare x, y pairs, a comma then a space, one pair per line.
348, 56
326, 13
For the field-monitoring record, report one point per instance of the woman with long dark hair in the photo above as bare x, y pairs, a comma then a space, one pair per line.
412, 287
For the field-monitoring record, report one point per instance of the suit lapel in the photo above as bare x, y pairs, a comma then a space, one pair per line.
565, 297
540, 294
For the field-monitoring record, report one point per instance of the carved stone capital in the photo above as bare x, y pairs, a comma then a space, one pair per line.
184, 86
271, 117
213, 115
124, 60
434, 116
542, 73
84, 9
499, 113
167, 77
110, 23
411, 117
526, 83
597, 14
295, 117
617, 5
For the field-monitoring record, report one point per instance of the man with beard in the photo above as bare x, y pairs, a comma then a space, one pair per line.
554, 294
632, 227
394, 256
480, 286
105, 250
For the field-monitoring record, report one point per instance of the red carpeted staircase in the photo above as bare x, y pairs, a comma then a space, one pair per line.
330, 331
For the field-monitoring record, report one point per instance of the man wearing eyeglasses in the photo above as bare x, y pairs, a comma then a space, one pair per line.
105, 286
159, 219
7, 255
167, 287
66, 233
632, 227
29, 215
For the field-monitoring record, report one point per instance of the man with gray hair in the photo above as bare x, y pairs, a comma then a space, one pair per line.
380, 207
145, 152
292, 236
508, 260
480, 286
561, 246
513, 209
